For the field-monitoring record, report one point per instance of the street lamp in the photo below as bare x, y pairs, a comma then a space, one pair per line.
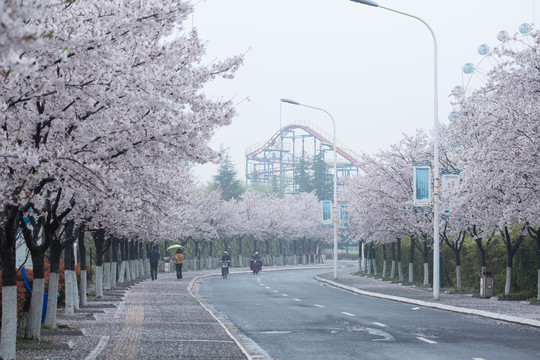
436, 264
335, 212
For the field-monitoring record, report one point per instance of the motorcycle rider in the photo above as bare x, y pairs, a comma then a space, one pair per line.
225, 258
256, 261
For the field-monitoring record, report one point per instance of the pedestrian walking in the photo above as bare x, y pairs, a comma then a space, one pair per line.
179, 258
153, 255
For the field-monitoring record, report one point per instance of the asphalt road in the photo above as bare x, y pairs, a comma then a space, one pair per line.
291, 316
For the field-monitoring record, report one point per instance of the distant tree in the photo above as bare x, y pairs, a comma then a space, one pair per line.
227, 180
303, 177
322, 180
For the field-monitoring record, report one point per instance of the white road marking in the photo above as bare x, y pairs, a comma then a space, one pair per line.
478, 359
317, 305
426, 340
346, 313
98, 349
379, 324
376, 332
276, 332
297, 300
415, 308
284, 294
267, 287
276, 291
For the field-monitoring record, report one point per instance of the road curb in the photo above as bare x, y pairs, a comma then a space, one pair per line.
433, 305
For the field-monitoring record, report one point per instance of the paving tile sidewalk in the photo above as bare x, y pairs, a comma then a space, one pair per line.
149, 320
512, 311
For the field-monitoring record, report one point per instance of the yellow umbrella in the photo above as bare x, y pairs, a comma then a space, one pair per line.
174, 247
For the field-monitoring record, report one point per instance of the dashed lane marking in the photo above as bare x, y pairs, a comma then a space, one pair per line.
426, 340
317, 305
284, 295
297, 300
379, 324
346, 313
276, 291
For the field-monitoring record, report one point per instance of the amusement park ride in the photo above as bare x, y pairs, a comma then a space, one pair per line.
278, 159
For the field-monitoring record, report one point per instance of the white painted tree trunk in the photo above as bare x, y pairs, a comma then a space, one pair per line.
75, 290
99, 281
8, 338
458, 277
400, 271
83, 297
133, 269
384, 269
411, 275
368, 266
33, 324
141, 267
426, 274
106, 276
127, 271
363, 263
374, 262
69, 300
52, 301
122, 274
507, 284
114, 268
393, 269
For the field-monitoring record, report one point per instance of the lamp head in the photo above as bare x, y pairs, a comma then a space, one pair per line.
289, 101
366, 2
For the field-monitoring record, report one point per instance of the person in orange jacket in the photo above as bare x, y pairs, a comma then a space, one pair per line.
179, 259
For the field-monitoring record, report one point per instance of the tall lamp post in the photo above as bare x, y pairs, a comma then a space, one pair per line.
436, 264
335, 208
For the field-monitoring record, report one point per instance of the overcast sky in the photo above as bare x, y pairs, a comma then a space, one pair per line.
370, 68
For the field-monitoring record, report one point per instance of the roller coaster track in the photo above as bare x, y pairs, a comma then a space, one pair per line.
320, 135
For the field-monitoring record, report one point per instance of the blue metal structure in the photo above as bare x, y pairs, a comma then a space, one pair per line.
276, 161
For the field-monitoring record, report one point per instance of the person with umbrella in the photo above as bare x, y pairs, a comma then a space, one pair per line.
179, 259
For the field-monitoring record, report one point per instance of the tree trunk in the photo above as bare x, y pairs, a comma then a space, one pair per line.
425, 254
535, 234
99, 239
393, 269
511, 249
52, 300
411, 261
384, 261
400, 268
122, 274
82, 255
35, 314
107, 264
69, 268
9, 284
114, 262
373, 259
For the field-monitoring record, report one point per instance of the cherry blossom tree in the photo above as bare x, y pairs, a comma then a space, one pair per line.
114, 79
497, 135
380, 202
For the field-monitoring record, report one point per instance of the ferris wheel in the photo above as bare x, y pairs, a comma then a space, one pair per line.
474, 76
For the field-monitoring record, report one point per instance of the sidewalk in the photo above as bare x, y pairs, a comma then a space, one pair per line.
161, 319
143, 319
